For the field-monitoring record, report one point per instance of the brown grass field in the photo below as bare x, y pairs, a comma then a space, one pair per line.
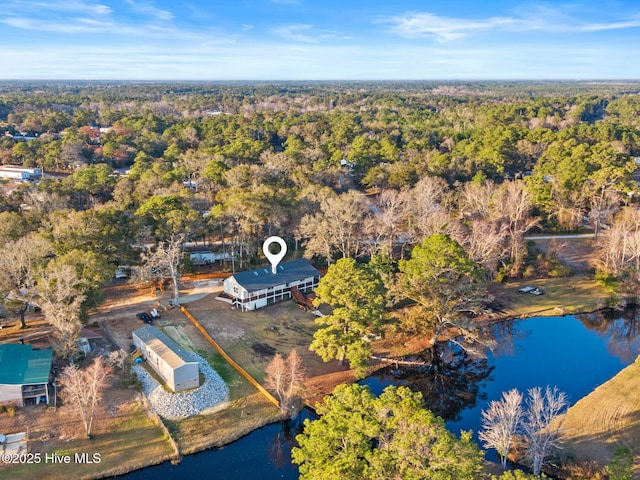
566, 295
126, 439
607, 418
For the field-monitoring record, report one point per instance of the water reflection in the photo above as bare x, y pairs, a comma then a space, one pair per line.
620, 328
506, 336
574, 354
285, 440
449, 385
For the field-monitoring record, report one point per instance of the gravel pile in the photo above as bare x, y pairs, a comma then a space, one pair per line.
181, 405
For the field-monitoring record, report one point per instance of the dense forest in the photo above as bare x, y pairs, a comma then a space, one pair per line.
413, 196
358, 170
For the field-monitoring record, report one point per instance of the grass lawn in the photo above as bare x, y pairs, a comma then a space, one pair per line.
251, 338
126, 441
607, 418
239, 418
561, 296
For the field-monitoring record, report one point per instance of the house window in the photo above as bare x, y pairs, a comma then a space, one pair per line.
235, 289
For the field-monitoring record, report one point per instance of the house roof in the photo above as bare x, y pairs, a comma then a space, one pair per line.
287, 272
21, 365
172, 353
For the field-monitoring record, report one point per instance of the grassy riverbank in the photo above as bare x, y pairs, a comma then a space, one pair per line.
236, 420
607, 418
567, 295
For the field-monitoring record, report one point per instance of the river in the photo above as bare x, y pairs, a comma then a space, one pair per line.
574, 353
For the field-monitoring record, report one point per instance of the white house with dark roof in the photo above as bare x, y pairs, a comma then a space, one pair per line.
260, 287
167, 358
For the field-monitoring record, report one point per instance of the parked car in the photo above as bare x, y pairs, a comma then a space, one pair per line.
145, 317
536, 291
527, 289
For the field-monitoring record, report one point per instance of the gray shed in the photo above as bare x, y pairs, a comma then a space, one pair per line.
167, 358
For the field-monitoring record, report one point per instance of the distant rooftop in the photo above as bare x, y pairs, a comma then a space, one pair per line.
261, 278
21, 365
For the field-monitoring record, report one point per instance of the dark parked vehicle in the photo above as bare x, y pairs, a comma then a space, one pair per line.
145, 317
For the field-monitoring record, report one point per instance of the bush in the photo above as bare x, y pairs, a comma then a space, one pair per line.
557, 269
607, 280
530, 271
502, 276
621, 466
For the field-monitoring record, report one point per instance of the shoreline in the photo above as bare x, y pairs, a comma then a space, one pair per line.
510, 288
187, 433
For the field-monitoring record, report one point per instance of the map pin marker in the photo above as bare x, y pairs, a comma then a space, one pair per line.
274, 258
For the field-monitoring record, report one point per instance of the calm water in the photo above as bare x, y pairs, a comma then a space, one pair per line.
573, 353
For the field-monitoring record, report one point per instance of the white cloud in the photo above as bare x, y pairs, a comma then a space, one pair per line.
93, 22
295, 32
38, 7
277, 61
146, 8
443, 29
303, 33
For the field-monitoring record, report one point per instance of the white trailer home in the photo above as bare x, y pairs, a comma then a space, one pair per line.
167, 358
20, 173
260, 287
13, 174
207, 257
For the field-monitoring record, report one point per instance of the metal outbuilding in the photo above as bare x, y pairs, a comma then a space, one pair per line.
167, 358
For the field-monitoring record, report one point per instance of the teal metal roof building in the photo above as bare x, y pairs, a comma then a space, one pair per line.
24, 373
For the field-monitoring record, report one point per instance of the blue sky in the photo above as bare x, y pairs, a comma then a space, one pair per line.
329, 39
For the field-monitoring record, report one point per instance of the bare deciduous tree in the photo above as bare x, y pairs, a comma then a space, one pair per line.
542, 434
118, 358
284, 378
485, 242
513, 206
164, 262
425, 211
500, 423
603, 208
336, 228
61, 297
475, 199
567, 213
621, 247
82, 389
21, 262
390, 205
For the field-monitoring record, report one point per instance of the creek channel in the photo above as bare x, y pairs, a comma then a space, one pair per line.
575, 353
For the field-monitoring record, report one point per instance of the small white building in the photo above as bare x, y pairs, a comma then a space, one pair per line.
20, 173
167, 358
260, 287
207, 257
